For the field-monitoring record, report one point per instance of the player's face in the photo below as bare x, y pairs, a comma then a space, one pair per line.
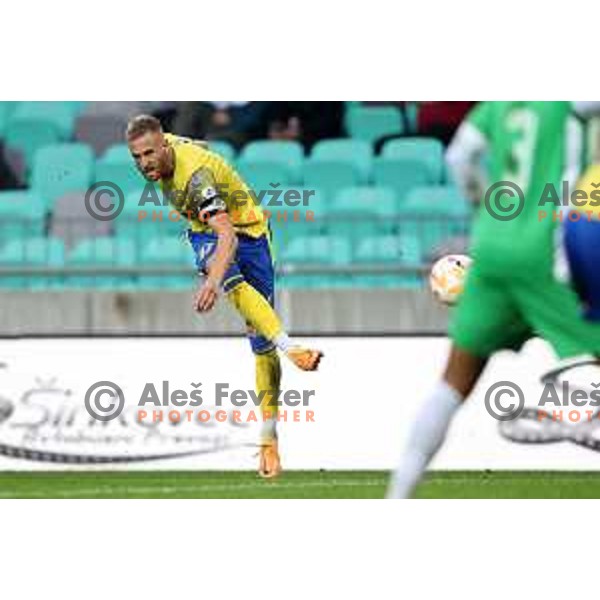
151, 154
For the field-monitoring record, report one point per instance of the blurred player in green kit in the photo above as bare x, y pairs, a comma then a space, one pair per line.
512, 292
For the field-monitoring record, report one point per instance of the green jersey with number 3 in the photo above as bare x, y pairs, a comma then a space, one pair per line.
530, 146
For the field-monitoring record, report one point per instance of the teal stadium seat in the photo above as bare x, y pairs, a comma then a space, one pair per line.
6, 110
119, 168
323, 250
427, 150
119, 153
311, 218
370, 199
263, 175
401, 175
435, 213
444, 199
102, 252
22, 215
60, 114
76, 106
167, 252
362, 211
400, 250
371, 123
330, 176
38, 252
143, 221
389, 249
26, 137
225, 149
62, 168
289, 154
358, 153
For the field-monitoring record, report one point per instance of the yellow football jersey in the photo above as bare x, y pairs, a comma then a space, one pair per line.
590, 184
203, 183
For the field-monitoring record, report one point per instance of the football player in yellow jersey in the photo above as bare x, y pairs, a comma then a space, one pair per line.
231, 242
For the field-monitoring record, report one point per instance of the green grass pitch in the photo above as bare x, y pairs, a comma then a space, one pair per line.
294, 484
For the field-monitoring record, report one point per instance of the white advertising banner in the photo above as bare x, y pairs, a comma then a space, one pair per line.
189, 403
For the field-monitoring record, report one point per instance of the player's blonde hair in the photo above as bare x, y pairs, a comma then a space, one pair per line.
142, 124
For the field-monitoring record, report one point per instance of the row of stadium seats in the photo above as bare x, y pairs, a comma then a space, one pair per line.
325, 251
26, 127
334, 164
433, 212
371, 123
361, 122
367, 200
360, 153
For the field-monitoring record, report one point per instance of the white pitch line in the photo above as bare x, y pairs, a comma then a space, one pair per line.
259, 485
135, 490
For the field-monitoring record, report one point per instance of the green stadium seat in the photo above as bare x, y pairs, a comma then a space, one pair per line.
389, 250
22, 215
289, 154
371, 123
62, 168
325, 249
411, 114
362, 211
155, 225
225, 149
434, 214
401, 175
358, 153
167, 252
295, 198
76, 106
28, 136
399, 249
379, 200
443, 199
427, 150
31, 252
263, 175
143, 221
6, 110
438, 213
147, 198
119, 153
320, 250
61, 114
125, 175
24, 203
102, 252
330, 176
288, 222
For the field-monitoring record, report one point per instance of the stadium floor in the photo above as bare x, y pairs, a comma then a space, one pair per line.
299, 484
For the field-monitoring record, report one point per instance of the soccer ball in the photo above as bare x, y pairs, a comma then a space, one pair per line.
447, 277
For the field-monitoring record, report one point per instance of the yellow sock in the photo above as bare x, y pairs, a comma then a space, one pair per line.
257, 312
268, 379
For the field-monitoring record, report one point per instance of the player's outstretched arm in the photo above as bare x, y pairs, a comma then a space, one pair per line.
224, 254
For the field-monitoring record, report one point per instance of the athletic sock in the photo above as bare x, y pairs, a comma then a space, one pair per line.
425, 439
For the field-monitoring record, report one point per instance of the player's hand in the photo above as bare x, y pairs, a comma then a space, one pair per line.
207, 295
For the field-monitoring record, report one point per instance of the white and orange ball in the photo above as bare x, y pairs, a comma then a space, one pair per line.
447, 277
